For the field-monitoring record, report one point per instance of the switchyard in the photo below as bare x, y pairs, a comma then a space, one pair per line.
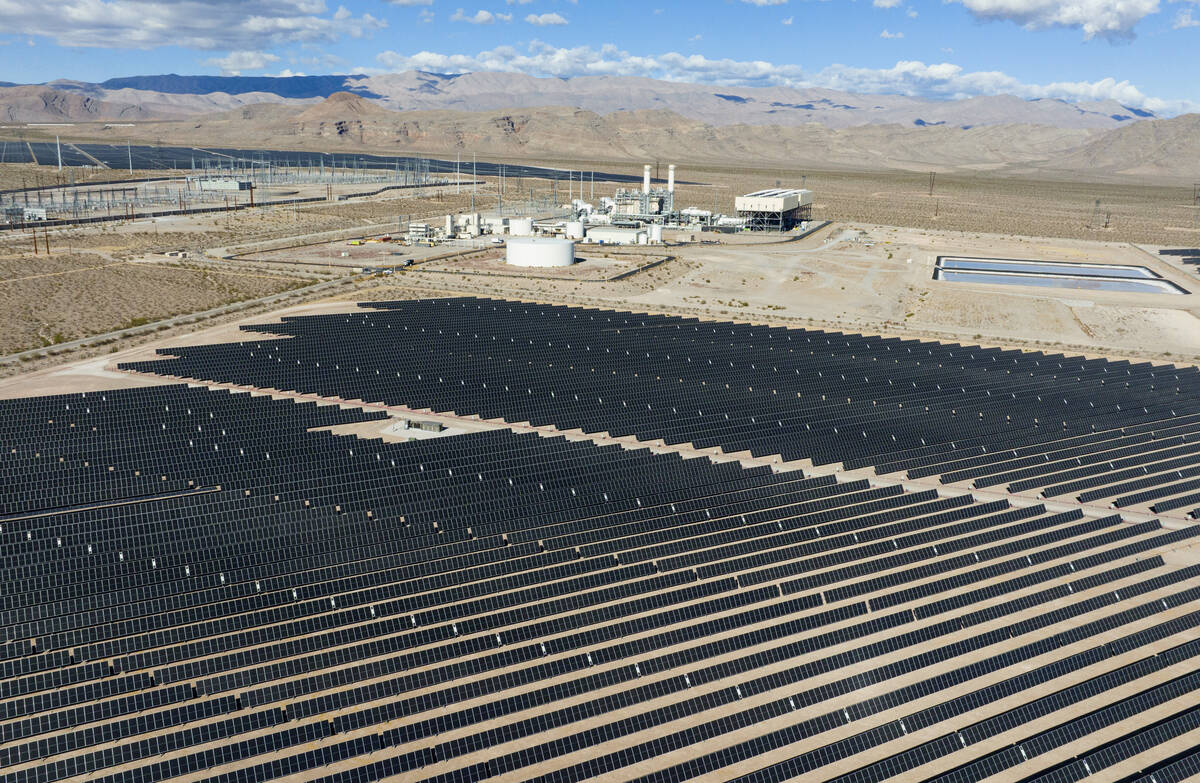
841, 557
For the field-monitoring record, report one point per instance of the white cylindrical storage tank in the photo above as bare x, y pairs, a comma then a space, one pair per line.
641, 238
539, 251
655, 232
520, 227
574, 229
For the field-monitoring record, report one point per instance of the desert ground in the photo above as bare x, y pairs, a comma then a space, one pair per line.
864, 273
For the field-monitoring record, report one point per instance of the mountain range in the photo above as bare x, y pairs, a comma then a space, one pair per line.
621, 118
171, 97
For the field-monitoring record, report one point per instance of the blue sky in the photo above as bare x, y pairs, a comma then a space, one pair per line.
1139, 52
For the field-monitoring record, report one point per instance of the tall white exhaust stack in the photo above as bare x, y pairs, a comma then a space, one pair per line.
646, 178
671, 178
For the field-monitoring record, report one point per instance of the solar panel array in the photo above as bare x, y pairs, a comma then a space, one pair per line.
1089, 429
146, 157
1189, 256
201, 585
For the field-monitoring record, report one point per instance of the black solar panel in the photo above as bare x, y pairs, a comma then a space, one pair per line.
213, 585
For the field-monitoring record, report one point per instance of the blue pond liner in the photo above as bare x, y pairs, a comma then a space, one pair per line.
1047, 267
1130, 285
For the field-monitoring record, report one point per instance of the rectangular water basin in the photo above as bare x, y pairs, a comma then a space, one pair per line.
1130, 285
1046, 267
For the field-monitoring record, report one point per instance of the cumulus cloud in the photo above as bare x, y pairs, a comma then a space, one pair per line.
907, 77
1184, 19
546, 20
234, 63
540, 59
239, 25
885, 3
1113, 19
479, 17
762, 3
425, 16
410, 2
890, 34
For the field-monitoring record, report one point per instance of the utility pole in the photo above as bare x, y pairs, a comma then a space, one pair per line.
457, 181
129, 152
474, 182
932, 178
58, 147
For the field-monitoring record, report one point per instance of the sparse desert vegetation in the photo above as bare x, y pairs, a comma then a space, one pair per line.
48, 301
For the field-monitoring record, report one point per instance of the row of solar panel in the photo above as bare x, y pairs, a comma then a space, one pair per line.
634, 619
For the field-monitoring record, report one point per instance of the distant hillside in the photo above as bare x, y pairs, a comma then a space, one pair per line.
39, 104
346, 122
1162, 148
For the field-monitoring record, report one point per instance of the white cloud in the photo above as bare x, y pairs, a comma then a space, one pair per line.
885, 3
946, 80
762, 3
1184, 19
889, 34
918, 79
546, 20
1111, 19
479, 17
410, 2
787, 21
238, 25
912, 13
234, 63
696, 37
518, 2
426, 16
286, 72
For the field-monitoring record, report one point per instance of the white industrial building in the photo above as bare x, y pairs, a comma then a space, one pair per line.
776, 209
221, 183
539, 251
612, 235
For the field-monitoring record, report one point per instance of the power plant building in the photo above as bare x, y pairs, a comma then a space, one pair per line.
776, 209
647, 205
